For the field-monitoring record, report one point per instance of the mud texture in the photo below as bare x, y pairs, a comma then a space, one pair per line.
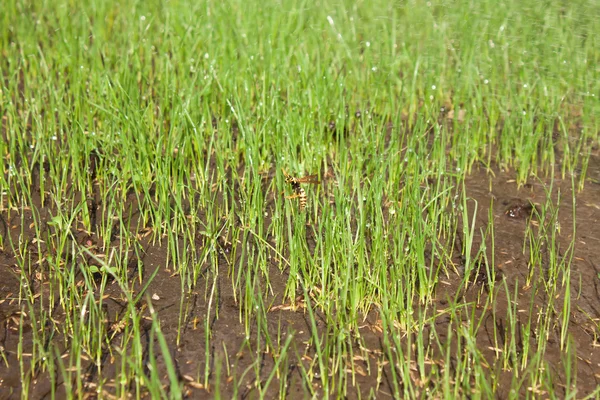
513, 209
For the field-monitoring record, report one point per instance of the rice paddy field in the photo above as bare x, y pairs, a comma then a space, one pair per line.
299, 199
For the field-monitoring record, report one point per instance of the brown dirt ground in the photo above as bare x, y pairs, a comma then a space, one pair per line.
512, 207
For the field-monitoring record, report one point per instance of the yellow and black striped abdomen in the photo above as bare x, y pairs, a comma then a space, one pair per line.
302, 197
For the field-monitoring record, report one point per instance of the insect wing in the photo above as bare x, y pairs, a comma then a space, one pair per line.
309, 179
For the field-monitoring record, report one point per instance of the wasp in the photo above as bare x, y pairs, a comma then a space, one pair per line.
298, 190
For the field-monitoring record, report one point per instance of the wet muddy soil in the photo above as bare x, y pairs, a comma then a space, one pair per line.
513, 209
576, 222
